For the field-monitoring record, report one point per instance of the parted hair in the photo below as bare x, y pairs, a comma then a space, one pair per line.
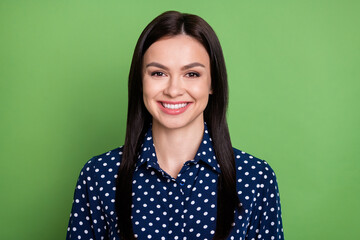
172, 23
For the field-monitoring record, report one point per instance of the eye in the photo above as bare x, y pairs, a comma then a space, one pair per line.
193, 74
157, 74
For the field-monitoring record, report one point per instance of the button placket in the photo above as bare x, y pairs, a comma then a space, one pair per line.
176, 211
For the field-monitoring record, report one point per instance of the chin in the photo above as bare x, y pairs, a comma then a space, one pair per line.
177, 123
172, 125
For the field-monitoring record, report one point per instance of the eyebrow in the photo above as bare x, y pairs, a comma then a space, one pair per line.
191, 65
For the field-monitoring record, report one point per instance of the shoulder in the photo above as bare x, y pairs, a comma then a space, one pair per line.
104, 164
258, 195
252, 171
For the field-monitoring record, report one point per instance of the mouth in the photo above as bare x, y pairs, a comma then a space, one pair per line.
174, 106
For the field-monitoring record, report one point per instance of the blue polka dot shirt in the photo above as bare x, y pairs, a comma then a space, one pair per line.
175, 208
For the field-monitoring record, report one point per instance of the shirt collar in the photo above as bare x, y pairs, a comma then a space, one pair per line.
205, 152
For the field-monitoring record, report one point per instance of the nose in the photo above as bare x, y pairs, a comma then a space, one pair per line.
174, 87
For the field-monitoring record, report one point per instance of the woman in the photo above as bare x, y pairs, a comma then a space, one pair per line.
177, 175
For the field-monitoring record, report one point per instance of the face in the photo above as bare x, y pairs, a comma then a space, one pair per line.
176, 82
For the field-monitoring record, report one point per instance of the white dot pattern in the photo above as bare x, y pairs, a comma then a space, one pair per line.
182, 208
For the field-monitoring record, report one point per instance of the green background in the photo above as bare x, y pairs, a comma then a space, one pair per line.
294, 71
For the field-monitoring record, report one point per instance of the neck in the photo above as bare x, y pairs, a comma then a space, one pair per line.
176, 146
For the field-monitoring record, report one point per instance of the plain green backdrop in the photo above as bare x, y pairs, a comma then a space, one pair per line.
294, 72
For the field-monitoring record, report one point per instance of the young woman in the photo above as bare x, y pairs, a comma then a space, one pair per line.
177, 175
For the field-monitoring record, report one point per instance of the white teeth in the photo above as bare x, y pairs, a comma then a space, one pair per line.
174, 106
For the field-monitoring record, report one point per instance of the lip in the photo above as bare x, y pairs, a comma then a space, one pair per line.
173, 111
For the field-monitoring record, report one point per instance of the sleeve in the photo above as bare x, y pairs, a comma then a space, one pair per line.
87, 219
267, 220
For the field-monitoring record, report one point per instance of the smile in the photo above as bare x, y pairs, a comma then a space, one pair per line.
174, 106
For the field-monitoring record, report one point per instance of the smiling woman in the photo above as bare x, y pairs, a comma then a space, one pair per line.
176, 80
177, 175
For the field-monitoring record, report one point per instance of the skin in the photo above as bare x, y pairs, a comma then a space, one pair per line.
176, 70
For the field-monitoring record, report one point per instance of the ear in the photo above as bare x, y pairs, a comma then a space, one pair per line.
211, 91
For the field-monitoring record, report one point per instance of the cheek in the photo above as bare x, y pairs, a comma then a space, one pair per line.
201, 95
146, 93
201, 90
147, 87
150, 91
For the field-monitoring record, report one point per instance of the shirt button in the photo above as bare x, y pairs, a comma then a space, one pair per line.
182, 182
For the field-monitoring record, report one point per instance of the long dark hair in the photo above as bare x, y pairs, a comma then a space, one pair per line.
173, 23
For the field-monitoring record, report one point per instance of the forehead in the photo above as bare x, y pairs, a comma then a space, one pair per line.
177, 50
